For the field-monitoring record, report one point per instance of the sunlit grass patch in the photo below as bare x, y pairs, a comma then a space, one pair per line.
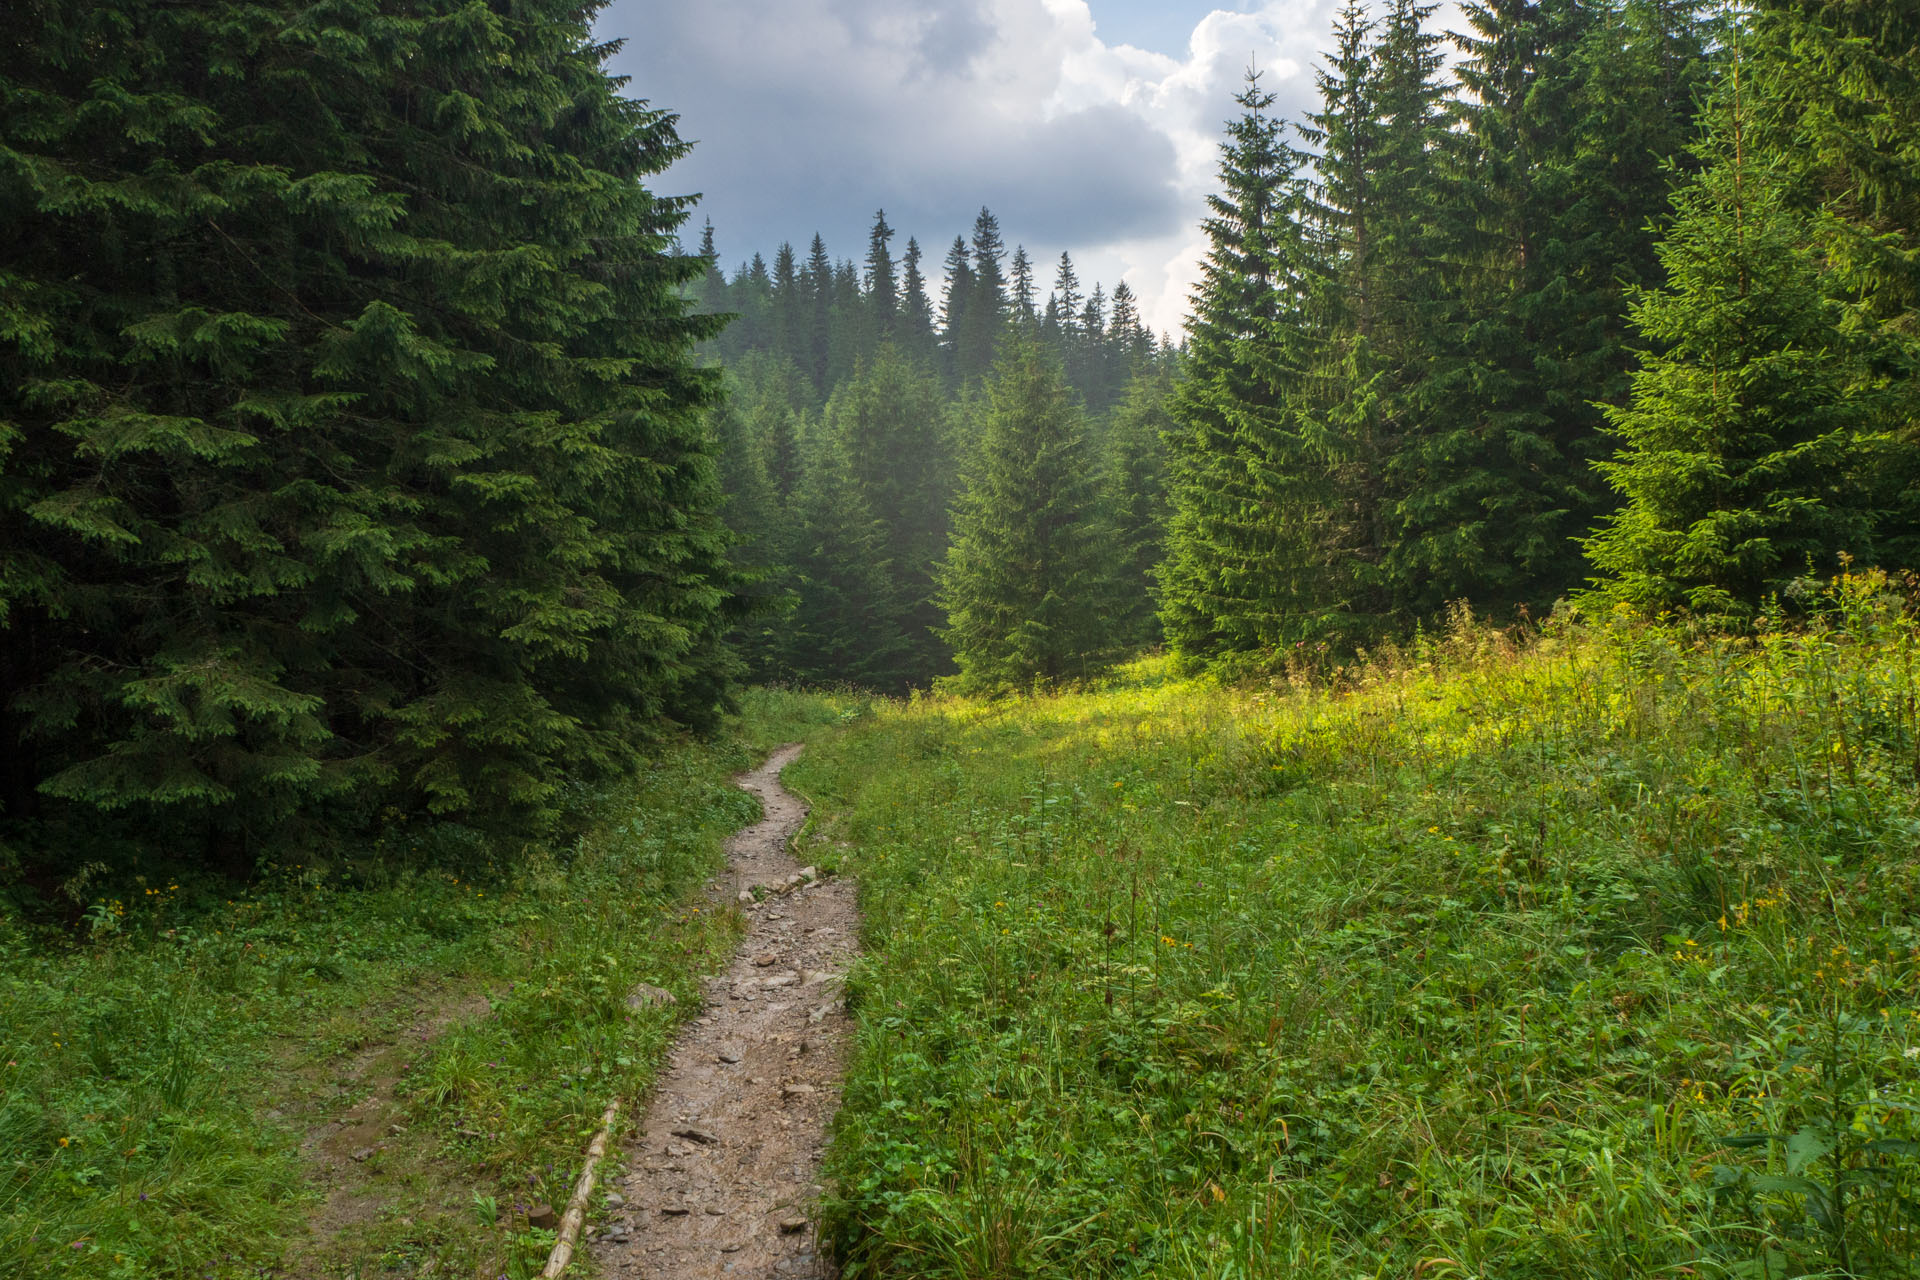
1587, 955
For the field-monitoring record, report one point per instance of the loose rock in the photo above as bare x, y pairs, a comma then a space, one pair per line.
645, 995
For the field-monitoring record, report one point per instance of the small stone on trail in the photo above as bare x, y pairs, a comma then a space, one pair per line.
675, 1210
542, 1215
809, 873
780, 980
644, 995
363, 1154
716, 1211
727, 1056
764, 961
615, 1199
792, 1226
795, 1090
730, 1248
695, 1135
746, 897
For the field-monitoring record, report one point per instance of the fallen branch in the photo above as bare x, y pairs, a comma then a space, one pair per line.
576, 1214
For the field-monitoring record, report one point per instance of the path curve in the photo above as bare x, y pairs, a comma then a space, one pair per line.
723, 1173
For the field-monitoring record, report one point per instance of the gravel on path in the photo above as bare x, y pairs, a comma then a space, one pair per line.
722, 1175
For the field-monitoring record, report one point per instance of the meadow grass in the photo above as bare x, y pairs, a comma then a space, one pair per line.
162, 1063
1592, 955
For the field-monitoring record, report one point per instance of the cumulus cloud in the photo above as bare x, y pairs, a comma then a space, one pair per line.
810, 114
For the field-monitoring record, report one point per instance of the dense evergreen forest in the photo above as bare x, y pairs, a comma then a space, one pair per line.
370, 438
1463, 823
856, 413
1616, 305
354, 463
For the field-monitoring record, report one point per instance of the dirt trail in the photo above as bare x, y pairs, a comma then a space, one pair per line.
365, 1117
721, 1178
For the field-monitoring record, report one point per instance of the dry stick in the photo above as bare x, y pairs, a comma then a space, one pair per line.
576, 1213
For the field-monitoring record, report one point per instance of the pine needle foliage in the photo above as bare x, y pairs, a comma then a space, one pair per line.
1022, 578
351, 454
1756, 428
1240, 536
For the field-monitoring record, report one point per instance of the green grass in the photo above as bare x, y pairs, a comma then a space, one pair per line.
160, 1067
1591, 957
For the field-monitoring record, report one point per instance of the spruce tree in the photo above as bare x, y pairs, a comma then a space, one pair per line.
987, 308
1135, 505
757, 514
843, 629
1555, 174
817, 292
882, 292
1066, 291
956, 304
1378, 282
1021, 285
1244, 571
890, 422
1748, 417
1132, 343
791, 309
355, 454
1021, 583
916, 306
752, 296
1835, 92
711, 290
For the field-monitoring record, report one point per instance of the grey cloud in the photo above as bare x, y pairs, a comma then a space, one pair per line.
808, 116
956, 36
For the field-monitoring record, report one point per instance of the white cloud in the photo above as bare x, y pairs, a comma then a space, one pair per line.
810, 114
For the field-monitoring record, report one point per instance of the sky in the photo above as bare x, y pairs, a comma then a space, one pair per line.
1085, 125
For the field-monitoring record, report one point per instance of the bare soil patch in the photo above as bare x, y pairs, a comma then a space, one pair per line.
358, 1119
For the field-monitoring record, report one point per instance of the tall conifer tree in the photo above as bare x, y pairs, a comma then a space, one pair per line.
1135, 503
956, 304
890, 421
1021, 584
1243, 569
1022, 295
1751, 418
916, 306
355, 451
882, 291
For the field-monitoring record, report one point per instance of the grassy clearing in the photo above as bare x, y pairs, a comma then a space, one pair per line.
159, 1073
1595, 958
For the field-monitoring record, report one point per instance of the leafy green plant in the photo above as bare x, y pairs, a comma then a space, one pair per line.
1461, 961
